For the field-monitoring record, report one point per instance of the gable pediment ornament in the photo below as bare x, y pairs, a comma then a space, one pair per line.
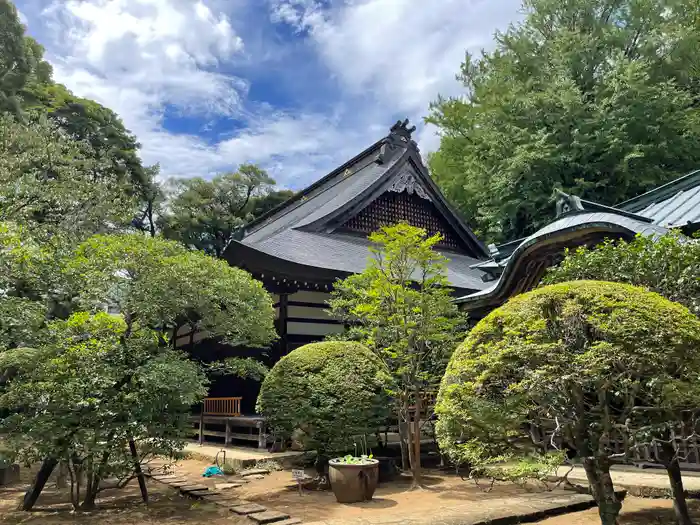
407, 182
567, 203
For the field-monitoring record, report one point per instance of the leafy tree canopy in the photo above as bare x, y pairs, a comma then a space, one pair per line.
53, 183
400, 306
589, 362
668, 265
122, 369
160, 284
101, 128
204, 214
95, 386
28, 92
598, 97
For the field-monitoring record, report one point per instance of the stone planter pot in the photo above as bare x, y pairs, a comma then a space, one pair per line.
352, 483
9, 473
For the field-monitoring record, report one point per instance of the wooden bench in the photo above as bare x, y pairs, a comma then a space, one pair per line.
226, 412
222, 406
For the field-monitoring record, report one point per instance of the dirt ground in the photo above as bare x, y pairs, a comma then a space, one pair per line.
444, 495
116, 507
278, 491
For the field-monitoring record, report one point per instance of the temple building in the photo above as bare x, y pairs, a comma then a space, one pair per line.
299, 249
519, 265
320, 235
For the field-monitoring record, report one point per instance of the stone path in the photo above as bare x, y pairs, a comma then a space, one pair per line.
649, 482
224, 495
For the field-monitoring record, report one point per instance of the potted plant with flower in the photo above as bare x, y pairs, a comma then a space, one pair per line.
354, 478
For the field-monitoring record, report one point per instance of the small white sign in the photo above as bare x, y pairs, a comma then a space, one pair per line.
298, 474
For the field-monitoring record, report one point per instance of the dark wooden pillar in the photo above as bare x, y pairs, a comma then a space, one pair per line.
283, 315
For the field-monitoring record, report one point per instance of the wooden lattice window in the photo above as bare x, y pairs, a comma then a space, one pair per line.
392, 207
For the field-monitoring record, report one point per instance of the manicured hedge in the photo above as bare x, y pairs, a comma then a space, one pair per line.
613, 336
325, 394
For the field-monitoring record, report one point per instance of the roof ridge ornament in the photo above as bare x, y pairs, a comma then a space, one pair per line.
401, 130
399, 137
567, 203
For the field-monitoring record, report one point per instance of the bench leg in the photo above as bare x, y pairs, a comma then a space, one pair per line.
201, 428
262, 438
227, 439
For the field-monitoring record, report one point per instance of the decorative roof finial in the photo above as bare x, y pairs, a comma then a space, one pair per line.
402, 130
567, 203
399, 137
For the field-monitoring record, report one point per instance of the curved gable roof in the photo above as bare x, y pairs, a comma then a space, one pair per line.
527, 263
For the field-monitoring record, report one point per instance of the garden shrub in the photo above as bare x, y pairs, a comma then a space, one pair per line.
331, 394
589, 360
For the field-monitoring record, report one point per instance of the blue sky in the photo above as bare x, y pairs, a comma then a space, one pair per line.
297, 86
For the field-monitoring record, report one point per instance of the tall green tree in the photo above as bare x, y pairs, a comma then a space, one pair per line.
401, 308
268, 202
204, 214
598, 97
52, 182
14, 60
99, 127
28, 92
157, 286
95, 387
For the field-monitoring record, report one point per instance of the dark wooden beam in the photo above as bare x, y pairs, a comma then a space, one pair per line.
307, 304
283, 313
313, 321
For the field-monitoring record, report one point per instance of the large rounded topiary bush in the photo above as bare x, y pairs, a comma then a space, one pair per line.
590, 361
329, 394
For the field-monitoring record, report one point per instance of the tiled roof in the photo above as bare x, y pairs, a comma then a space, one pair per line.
349, 253
675, 204
301, 230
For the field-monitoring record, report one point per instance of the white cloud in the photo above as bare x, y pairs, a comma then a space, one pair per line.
400, 53
148, 58
166, 50
142, 58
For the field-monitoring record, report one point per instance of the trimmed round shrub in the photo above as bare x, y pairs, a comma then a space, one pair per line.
329, 395
587, 353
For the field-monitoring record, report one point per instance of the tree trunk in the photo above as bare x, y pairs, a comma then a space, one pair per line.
137, 470
667, 455
411, 448
598, 474
403, 436
415, 464
76, 473
42, 477
90, 496
89, 500
91, 490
